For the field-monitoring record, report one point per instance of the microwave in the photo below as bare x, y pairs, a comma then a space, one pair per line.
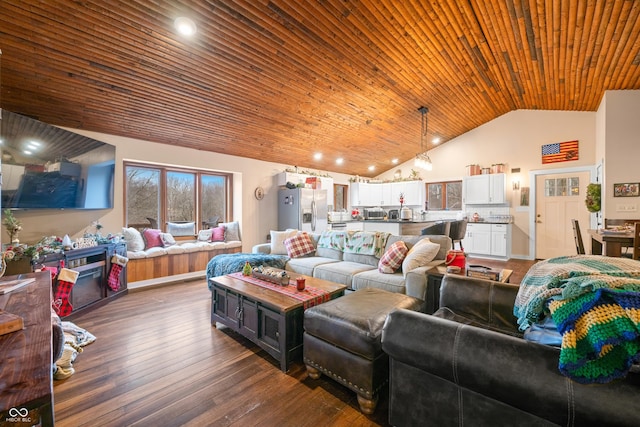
374, 213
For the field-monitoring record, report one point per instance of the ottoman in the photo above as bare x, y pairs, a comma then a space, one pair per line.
342, 340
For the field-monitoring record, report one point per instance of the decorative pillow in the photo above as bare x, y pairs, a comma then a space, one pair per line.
152, 238
277, 241
204, 235
181, 228
299, 245
167, 239
393, 257
218, 234
420, 255
134, 239
232, 230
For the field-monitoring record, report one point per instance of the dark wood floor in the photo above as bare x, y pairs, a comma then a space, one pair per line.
158, 362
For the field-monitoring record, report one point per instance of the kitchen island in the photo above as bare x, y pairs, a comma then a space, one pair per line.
393, 226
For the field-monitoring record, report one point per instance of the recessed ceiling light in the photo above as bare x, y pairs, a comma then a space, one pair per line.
436, 140
339, 161
317, 156
372, 168
185, 26
394, 161
27, 152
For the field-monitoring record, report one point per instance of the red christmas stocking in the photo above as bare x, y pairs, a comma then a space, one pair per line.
66, 279
117, 262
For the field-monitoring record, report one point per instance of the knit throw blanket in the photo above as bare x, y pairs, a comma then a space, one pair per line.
595, 303
223, 264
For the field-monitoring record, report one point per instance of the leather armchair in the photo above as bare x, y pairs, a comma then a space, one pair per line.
467, 364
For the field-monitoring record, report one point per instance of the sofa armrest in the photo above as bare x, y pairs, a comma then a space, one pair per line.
263, 248
482, 302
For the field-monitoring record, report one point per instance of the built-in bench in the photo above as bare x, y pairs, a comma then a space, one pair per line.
156, 257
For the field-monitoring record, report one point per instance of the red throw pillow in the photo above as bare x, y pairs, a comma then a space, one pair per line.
299, 245
152, 238
217, 234
393, 257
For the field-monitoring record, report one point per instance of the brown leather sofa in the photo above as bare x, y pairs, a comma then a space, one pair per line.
467, 364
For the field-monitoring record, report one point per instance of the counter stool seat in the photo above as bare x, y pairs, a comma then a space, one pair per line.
342, 340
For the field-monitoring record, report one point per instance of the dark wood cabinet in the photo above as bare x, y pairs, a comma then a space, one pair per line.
94, 266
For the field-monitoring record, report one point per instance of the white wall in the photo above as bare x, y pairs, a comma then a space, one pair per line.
621, 132
256, 217
515, 139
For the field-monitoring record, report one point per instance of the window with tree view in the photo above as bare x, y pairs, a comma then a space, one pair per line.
444, 195
156, 195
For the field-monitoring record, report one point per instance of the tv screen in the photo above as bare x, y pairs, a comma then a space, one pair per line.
46, 167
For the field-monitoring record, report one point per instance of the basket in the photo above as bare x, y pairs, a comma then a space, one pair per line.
278, 280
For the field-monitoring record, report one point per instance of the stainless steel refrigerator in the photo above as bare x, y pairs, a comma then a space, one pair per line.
304, 209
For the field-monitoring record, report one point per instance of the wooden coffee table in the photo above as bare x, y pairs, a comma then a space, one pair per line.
270, 319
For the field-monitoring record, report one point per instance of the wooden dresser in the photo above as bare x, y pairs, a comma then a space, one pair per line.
26, 388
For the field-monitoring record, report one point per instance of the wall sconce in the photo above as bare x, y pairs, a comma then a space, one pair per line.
515, 180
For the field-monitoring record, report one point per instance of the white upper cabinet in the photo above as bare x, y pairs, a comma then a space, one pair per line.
387, 193
484, 189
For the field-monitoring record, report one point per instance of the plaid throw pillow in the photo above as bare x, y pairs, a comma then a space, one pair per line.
299, 245
393, 257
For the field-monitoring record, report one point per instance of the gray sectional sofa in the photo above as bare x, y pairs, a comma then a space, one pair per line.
358, 271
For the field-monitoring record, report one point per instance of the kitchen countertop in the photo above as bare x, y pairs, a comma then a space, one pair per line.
401, 221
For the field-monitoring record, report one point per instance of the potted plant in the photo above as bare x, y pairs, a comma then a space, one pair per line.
593, 198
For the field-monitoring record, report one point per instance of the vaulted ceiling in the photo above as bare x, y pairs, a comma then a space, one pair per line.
280, 80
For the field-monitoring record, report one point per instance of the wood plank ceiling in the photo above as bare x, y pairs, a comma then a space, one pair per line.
279, 80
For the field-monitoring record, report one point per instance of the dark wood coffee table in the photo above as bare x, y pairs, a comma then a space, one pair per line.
270, 319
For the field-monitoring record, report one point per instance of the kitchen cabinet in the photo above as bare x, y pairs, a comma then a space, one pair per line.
488, 239
387, 193
484, 189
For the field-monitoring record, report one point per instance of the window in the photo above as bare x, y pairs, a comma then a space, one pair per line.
557, 187
156, 195
444, 195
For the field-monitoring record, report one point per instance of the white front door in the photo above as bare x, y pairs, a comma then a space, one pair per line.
559, 199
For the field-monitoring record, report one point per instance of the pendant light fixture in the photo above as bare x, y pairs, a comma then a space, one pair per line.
422, 160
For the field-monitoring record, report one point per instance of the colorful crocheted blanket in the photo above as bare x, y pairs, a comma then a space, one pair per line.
595, 303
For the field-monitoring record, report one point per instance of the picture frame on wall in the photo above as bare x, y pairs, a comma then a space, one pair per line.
626, 190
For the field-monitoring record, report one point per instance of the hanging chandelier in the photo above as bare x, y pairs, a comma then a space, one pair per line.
422, 160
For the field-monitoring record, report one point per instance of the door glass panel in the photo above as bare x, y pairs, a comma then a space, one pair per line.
550, 187
561, 187
574, 186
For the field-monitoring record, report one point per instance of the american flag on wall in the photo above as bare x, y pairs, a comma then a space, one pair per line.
560, 152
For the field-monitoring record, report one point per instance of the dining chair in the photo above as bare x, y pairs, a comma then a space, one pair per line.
636, 241
577, 237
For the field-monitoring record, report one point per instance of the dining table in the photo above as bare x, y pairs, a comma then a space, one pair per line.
610, 243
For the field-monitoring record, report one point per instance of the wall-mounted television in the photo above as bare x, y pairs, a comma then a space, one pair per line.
46, 167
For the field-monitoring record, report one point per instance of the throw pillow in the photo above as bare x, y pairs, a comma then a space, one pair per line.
420, 255
277, 241
152, 238
299, 245
167, 239
232, 231
393, 257
134, 239
181, 228
218, 234
204, 235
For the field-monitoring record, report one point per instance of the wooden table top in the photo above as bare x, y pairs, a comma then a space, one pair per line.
25, 373
279, 300
506, 273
